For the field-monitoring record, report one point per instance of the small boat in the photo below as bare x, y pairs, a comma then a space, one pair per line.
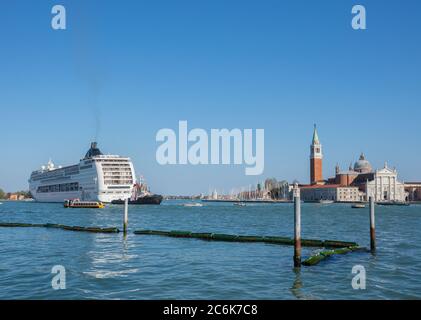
240, 204
358, 206
1, 202
384, 203
392, 203
193, 204
326, 201
76, 203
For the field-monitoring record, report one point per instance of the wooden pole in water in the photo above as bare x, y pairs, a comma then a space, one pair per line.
126, 215
372, 226
297, 229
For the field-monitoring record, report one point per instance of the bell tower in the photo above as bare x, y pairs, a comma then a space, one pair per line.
316, 159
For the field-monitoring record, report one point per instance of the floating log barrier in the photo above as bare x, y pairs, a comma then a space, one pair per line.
322, 255
53, 225
100, 230
313, 243
250, 239
179, 234
203, 236
223, 237
18, 225
279, 240
59, 226
338, 244
247, 238
152, 232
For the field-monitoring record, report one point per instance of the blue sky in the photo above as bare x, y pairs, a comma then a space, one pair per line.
125, 69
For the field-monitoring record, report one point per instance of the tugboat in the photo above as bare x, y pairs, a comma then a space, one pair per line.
141, 195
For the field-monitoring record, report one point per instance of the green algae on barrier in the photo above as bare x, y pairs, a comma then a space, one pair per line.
322, 255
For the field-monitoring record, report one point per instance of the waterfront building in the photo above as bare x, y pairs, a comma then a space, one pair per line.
13, 197
283, 190
334, 192
385, 186
413, 190
357, 183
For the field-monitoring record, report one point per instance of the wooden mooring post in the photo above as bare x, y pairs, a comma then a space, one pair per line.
297, 227
372, 226
126, 216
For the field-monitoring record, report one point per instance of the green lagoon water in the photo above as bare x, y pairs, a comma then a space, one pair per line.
109, 266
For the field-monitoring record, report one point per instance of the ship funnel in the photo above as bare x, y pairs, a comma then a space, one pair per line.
93, 151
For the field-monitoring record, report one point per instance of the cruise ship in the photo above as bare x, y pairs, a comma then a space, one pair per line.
97, 177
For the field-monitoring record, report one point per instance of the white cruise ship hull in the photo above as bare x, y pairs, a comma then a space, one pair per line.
55, 196
60, 197
97, 177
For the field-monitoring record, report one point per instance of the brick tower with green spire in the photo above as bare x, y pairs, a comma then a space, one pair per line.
316, 159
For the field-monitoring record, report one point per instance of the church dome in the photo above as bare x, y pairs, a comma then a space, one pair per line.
362, 165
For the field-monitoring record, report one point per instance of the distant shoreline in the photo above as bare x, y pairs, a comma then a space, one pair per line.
247, 201
23, 200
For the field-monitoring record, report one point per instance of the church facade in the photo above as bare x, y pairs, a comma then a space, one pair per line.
385, 186
356, 184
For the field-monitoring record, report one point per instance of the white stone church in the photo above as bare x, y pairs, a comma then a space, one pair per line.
385, 186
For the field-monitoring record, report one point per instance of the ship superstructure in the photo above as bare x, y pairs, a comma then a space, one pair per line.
97, 177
